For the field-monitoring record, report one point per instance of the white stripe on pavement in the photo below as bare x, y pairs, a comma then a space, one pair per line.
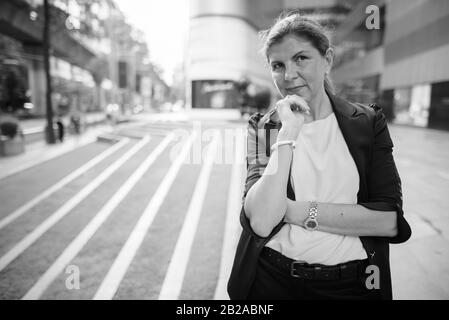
111, 282
83, 237
171, 288
68, 206
61, 183
231, 231
443, 174
39, 152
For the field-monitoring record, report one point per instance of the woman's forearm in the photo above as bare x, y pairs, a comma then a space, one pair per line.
266, 201
345, 219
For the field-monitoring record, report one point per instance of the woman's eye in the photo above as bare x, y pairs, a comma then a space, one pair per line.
276, 66
301, 58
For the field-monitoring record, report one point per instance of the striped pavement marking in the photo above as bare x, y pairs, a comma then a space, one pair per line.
443, 174
36, 153
113, 278
61, 183
172, 284
232, 224
32, 237
86, 234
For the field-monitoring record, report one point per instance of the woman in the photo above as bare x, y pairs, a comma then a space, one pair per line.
328, 236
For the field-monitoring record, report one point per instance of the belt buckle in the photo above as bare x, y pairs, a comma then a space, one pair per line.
300, 273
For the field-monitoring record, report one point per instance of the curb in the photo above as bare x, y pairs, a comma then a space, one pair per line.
108, 138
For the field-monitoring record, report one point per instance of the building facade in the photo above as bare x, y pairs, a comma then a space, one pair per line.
222, 50
390, 52
97, 58
224, 46
402, 65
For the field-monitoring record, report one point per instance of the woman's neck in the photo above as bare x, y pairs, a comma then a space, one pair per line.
320, 107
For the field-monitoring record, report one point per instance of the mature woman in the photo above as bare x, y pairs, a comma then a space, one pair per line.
323, 197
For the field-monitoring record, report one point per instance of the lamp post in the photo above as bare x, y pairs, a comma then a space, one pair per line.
50, 136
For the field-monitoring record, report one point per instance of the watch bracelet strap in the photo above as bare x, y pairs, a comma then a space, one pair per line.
313, 209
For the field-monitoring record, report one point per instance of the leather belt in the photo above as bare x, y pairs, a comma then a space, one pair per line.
303, 270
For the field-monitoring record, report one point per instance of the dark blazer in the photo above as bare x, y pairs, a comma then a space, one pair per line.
367, 137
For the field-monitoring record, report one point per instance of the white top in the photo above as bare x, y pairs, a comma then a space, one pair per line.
322, 170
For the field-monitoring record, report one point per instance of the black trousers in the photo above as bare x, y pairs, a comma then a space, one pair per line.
273, 282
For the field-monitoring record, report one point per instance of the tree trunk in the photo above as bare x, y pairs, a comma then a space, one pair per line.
46, 43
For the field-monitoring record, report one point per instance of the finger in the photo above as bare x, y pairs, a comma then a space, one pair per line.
283, 107
299, 102
273, 114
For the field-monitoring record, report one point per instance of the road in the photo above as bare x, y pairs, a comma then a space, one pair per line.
156, 199
150, 211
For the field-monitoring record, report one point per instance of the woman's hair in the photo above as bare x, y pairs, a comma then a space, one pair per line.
294, 23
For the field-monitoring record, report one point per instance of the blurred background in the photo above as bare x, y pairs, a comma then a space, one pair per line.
136, 56
77, 76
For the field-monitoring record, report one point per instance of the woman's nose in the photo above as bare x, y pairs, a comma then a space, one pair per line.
290, 74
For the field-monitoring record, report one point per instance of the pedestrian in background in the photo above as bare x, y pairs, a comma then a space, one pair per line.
60, 125
75, 120
323, 196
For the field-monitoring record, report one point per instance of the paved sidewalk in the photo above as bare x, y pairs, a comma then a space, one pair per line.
195, 114
420, 267
40, 151
40, 123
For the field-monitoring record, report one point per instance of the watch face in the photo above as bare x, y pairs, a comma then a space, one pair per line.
311, 224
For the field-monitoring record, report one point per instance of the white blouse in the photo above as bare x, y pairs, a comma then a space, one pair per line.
322, 170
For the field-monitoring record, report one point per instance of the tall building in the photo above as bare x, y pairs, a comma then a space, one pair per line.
222, 49
403, 64
223, 46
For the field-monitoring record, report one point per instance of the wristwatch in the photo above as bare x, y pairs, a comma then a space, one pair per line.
311, 222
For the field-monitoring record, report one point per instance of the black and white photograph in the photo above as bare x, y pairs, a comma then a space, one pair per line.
224, 155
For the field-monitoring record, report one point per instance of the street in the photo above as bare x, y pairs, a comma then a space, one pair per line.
138, 194
150, 211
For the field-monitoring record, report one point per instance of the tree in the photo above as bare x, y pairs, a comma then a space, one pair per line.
52, 12
46, 44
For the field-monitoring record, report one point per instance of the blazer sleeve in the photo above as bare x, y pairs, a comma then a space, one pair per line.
256, 159
256, 162
384, 183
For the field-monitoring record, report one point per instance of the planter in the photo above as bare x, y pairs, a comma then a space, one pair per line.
11, 147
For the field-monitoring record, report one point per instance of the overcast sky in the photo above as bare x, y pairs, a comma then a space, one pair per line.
165, 23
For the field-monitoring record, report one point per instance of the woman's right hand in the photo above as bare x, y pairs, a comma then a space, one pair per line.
292, 121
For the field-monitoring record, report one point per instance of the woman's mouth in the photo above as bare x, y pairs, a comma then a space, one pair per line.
293, 89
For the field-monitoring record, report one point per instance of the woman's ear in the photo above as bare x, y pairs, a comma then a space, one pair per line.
329, 57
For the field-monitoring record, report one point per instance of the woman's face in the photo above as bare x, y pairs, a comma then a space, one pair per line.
297, 67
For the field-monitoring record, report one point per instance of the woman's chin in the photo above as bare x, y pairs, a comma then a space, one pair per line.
305, 96
302, 92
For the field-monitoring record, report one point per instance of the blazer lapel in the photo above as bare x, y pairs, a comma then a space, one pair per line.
355, 128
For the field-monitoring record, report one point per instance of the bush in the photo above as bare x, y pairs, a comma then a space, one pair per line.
9, 129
